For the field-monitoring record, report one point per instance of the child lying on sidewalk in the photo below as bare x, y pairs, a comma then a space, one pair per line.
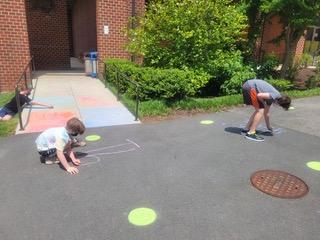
11, 108
53, 143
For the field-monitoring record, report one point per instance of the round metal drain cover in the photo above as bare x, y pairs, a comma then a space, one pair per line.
279, 184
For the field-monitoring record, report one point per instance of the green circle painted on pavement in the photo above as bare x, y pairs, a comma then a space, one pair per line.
92, 138
142, 216
207, 122
314, 165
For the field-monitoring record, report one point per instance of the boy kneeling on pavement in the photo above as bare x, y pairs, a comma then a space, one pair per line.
53, 143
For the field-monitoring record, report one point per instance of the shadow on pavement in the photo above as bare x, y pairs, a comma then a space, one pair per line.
237, 130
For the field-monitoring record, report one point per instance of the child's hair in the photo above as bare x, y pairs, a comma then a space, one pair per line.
284, 101
74, 125
26, 89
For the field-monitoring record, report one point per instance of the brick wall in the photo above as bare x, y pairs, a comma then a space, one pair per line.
49, 36
116, 15
14, 43
273, 29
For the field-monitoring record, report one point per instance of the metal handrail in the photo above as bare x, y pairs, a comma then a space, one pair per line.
31, 67
127, 79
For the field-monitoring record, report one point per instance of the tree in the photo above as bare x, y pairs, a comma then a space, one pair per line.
256, 20
296, 16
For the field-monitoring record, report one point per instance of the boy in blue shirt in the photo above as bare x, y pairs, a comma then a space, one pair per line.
53, 143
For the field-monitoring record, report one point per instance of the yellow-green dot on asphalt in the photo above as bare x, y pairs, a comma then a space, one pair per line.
292, 108
207, 122
142, 216
314, 165
92, 138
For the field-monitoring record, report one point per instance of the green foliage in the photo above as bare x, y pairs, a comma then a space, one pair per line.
313, 81
178, 34
267, 67
305, 60
228, 73
280, 84
239, 76
297, 13
155, 83
201, 35
256, 20
296, 16
5, 97
162, 108
7, 128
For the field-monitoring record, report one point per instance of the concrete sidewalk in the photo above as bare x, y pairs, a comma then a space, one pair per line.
73, 95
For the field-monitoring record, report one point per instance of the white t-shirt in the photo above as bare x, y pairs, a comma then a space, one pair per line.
53, 138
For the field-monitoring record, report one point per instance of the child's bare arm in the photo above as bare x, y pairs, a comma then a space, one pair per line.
65, 164
73, 157
41, 104
263, 96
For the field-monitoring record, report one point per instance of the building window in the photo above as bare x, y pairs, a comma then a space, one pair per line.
42, 5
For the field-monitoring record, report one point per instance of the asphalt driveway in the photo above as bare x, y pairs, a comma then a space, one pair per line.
195, 177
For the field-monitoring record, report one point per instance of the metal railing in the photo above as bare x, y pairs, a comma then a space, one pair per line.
119, 76
26, 75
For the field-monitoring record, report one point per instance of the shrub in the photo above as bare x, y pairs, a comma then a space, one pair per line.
228, 73
201, 35
267, 67
280, 84
313, 81
154, 82
305, 60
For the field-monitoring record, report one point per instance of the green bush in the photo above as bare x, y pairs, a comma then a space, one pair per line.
280, 84
267, 67
305, 60
155, 83
202, 35
228, 73
313, 81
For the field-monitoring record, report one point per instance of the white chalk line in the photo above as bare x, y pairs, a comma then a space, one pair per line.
133, 143
90, 162
95, 155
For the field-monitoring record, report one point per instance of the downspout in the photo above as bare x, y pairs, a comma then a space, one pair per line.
133, 14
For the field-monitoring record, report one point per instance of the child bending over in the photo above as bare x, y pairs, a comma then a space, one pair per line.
261, 95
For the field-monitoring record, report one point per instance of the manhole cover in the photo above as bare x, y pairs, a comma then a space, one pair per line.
279, 184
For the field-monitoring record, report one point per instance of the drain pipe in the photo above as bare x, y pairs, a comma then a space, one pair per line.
133, 14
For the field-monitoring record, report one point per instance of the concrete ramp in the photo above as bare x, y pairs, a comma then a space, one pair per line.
73, 95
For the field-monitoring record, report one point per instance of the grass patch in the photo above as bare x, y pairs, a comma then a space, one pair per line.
153, 108
7, 128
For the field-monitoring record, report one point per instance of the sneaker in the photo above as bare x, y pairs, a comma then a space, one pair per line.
243, 130
254, 137
51, 160
42, 159
77, 143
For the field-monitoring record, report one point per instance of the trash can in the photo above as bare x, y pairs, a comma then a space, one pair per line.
94, 63
87, 65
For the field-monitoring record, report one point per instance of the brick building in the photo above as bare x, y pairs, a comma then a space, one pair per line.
54, 30
273, 29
